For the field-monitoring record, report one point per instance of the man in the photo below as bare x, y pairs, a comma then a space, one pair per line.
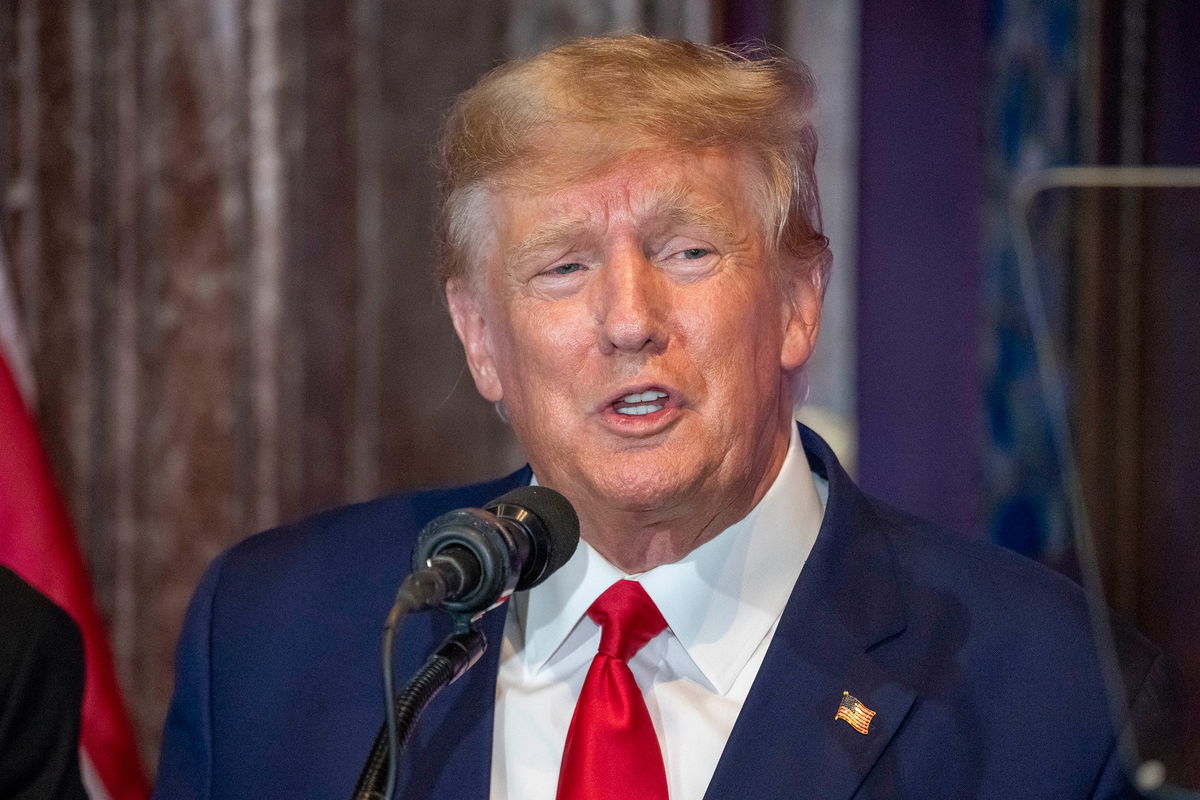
634, 266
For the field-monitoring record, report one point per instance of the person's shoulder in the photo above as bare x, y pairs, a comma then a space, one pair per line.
1011, 618
41, 685
397, 515
978, 561
1010, 603
980, 573
31, 619
347, 540
936, 564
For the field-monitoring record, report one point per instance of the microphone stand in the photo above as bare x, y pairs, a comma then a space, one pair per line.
466, 561
457, 653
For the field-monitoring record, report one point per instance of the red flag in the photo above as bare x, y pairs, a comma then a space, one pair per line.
38, 543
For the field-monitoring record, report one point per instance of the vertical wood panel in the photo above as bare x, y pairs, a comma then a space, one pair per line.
265, 268
123, 144
9, 109
21, 184
103, 551
428, 400
321, 258
62, 306
190, 310
1172, 429
364, 478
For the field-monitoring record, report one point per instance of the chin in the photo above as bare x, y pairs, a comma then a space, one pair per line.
635, 486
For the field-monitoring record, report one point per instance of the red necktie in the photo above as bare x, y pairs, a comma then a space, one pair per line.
612, 750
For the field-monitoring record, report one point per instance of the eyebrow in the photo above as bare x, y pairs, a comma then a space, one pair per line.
551, 234
678, 206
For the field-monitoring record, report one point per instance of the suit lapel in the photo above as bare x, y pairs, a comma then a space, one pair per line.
787, 741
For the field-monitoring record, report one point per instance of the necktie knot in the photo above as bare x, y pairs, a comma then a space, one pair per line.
628, 619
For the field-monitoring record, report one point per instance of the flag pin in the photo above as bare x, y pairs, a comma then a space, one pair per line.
857, 715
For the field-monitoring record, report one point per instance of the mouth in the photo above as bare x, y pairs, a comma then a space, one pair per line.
641, 408
639, 404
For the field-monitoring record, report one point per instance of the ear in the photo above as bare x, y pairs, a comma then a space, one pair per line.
470, 323
802, 309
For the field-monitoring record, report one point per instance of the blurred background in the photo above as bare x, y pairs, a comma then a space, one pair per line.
219, 304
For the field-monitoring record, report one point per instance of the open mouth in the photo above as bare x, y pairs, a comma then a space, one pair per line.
639, 404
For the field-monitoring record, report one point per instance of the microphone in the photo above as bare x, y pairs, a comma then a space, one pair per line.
466, 561
469, 560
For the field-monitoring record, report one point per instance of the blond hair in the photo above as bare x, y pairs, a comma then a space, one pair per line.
548, 119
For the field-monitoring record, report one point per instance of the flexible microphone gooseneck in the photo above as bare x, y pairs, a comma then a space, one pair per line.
467, 562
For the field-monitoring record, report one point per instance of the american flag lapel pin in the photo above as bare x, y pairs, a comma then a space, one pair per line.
857, 715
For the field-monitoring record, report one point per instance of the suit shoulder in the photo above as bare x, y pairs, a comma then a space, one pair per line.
398, 516
343, 545
1024, 631
1013, 602
934, 568
977, 567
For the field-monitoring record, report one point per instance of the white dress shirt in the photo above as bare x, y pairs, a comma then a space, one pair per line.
722, 603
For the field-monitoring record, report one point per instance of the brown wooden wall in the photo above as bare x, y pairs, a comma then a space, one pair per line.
217, 213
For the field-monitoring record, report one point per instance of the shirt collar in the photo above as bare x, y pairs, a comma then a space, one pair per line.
719, 601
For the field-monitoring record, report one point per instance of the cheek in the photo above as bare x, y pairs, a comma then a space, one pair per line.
570, 324
742, 334
543, 347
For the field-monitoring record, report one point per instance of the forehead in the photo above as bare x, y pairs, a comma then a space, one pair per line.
650, 192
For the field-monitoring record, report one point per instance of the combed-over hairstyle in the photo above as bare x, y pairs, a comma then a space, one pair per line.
544, 121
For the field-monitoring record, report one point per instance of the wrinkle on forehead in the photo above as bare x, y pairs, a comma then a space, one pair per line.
674, 205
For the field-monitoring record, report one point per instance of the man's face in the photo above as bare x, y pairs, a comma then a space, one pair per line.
633, 329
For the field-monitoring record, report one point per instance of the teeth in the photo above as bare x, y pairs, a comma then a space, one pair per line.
637, 411
643, 397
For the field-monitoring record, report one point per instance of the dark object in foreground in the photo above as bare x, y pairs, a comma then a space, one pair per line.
41, 691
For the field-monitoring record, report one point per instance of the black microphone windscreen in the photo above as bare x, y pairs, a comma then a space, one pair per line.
557, 516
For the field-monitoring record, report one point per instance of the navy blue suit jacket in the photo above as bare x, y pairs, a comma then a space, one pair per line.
979, 664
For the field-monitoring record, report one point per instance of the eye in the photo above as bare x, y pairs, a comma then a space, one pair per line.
688, 259
565, 269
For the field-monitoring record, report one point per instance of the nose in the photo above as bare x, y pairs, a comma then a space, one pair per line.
632, 304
